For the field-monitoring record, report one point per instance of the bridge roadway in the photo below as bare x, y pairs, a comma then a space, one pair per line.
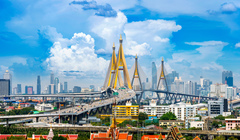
124, 94
148, 131
75, 95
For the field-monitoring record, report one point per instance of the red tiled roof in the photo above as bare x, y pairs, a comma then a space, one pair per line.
151, 137
123, 136
2, 136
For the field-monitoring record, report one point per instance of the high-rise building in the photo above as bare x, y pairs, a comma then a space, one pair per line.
226, 79
218, 90
194, 88
216, 108
30, 90
154, 76
188, 87
52, 78
92, 87
76, 89
19, 89
26, 89
14, 91
65, 87
38, 85
56, 81
8, 76
53, 89
178, 85
229, 93
60, 88
4, 87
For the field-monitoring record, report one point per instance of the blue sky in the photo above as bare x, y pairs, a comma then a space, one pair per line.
74, 38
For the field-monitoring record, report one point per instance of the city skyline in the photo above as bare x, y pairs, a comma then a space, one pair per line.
35, 47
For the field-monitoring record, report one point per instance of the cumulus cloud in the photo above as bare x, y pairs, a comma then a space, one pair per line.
228, 8
139, 37
101, 10
199, 62
76, 56
237, 45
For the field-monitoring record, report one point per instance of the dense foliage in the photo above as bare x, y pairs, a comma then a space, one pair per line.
168, 116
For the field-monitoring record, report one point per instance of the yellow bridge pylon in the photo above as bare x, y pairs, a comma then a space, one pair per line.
111, 71
120, 65
162, 76
136, 74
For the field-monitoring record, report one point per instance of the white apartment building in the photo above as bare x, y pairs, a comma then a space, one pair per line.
218, 90
183, 110
197, 124
44, 107
155, 110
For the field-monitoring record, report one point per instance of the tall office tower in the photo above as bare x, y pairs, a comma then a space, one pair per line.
229, 93
201, 81
171, 77
154, 76
7, 75
206, 84
30, 90
65, 87
76, 89
26, 89
194, 88
4, 87
56, 81
60, 88
53, 89
227, 78
49, 89
52, 78
188, 87
38, 85
178, 85
14, 90
19, 89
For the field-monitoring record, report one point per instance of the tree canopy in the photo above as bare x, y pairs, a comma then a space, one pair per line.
168, 116
142, 116
220, 117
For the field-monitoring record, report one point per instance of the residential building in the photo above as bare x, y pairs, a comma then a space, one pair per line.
30, 90
155, 110
229, 93
22, 105
184, 110
38, 85
232, 123
218, 90
171, 122
4, 87
8, 76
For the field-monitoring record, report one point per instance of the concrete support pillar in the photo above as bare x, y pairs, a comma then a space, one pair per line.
37, 119
7, 122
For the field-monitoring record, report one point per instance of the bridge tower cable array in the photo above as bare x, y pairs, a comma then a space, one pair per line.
162, 76
120, 65
136, 74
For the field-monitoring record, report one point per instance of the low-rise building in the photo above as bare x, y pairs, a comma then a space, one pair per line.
44, 107
232, 123
24, 105
171, 122
155, 110
196, 124
216, 108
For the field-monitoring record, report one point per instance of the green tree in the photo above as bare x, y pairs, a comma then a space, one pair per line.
230, 116
215, 124
59, 138
16, 138
220, 117
232, 138
168, 116
200, 117
142, 116
219, 138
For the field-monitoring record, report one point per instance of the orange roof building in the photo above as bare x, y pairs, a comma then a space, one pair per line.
196, 138
69, 136
152, 137
6, 136
107, 135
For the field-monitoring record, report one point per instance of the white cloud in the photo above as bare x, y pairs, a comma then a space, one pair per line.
228, 8
139, 37
159, 39
237, 45
76, 54
199, 62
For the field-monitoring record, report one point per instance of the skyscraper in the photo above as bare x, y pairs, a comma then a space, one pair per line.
227, 78
26, 89
60, 88
52, 78
56, 81
19, 89
38, 85
76, 89
4, 87
8, 76
29, 90
65, 87
154, 76
178, 85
